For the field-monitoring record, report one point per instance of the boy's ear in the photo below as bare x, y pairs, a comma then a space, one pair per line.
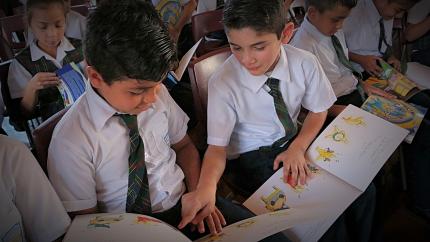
312, 11
94, 76
287, 33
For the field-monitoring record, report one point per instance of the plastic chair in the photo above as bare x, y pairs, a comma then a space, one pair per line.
203, 24
42, 135
13, 31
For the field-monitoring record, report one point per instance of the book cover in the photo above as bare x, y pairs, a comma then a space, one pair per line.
73, 83
406, 115
343, 160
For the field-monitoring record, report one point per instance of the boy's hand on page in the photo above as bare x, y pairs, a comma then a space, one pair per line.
370, 64
42, 80
296, 169
371, 90
199, 205
215, 221
394, 62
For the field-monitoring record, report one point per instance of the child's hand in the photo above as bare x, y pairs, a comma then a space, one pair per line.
295, 166
199, 205
370, 64
371, 90
394, 62
42, 80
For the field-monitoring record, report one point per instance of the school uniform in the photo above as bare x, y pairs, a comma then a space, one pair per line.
75, 28
241, 113
362, 31
32, 60
29, 207
89, 151
344, 83
421, 46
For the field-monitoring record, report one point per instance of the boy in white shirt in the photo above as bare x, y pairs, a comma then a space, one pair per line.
249, 127
123, 147
321, 34
30, 210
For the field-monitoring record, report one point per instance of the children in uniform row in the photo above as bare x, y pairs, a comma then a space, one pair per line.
127, 127
127, 147
32, 81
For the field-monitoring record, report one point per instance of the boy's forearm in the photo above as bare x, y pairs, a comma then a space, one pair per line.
415, 31
213, 167
188, 159
310, 129
185, 15
354, 57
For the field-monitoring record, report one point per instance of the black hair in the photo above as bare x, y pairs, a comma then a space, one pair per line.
324, 5
127, 39
260, 15
41, 4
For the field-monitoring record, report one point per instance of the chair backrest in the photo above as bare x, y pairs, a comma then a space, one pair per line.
200, 70
13, 30
205, 23
6, 52
42, 137
4, 71
82, 9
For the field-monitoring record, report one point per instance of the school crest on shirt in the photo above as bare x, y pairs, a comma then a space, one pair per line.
169, 10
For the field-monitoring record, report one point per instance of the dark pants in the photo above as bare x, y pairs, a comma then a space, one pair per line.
421, 56
232, 214
252, 169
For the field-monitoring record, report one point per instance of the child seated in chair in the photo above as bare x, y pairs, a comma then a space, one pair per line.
32, 81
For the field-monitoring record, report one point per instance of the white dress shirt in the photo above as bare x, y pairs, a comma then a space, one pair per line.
419, 12
362, 30
241, 112
29, 206
18, 76
89, 150
309, 38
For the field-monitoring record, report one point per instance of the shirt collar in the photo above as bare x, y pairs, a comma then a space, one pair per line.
313, 31
99, 110
373, 13
255, 83
37, 53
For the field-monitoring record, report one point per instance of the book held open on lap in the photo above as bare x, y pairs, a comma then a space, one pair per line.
73, 83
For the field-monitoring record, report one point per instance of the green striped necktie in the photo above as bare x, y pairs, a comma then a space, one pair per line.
344, 61
281, 111
138, 199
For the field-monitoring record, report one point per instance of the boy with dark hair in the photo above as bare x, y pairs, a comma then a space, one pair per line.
322, 35
123, 147
253, 103
368, 33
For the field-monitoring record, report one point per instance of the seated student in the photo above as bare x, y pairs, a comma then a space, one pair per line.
29, 207
248, 126
127, 118
75, 24
321, 34
177, 14
32, 81
418, 32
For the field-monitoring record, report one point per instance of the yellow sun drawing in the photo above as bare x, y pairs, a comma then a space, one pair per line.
358, 121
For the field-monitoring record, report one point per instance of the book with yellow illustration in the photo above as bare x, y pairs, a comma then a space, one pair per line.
394, 82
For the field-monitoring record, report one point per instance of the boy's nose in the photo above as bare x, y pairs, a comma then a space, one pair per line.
247, 58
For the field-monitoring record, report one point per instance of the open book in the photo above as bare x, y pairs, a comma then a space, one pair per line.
405, 115
73, 83
394, 82
344, 159
173, 77
130, 227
